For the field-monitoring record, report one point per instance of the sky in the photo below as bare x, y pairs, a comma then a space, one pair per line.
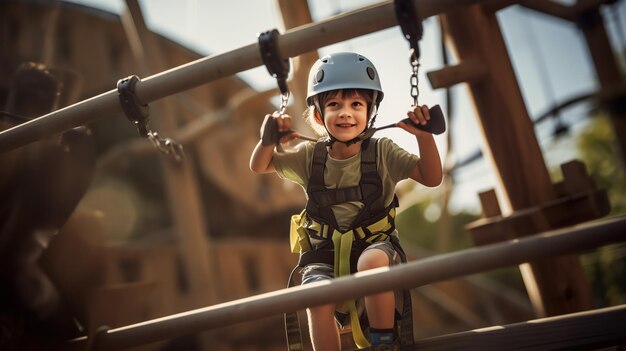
549, 57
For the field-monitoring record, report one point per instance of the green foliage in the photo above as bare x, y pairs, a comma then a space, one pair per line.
606, 267
415, 230
599, 151
420, 236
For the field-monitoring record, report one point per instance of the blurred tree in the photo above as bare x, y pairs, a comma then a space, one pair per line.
599, 152
606, 267
419, 237
416, 230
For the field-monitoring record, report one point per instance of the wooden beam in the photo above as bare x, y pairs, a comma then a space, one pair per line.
512, 146
489, 203
608, 71
507, 128
294, 14
180, 178
471, 70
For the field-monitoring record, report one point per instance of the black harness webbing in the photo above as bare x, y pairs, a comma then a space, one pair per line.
369, 190
292, 321
320, 200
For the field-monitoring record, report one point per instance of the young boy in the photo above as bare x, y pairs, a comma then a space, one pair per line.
350, 182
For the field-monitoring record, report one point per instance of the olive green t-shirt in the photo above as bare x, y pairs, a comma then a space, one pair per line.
393, 163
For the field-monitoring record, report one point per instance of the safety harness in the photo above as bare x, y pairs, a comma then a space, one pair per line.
374, 223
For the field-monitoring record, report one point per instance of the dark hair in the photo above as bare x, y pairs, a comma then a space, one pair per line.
366, 94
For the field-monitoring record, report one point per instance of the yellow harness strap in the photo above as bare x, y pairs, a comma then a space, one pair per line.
342, 242
298, 236
343, 247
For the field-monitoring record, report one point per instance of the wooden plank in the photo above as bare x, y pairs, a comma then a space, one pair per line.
489, 203
583, 330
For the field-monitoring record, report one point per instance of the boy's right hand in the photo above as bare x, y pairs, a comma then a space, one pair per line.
275, 128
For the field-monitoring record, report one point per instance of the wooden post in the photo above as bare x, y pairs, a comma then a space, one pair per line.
295, 14
180, 180
555, 285
609, 74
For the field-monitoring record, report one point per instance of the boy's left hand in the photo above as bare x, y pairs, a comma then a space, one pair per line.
419, 115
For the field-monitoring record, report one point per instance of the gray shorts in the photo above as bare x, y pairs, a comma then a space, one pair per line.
316, 272
321, 271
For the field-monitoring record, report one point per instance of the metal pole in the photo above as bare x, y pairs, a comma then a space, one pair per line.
410, 275
292, 43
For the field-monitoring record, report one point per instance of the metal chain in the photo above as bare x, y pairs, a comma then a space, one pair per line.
415, 92
284, 100
166, 146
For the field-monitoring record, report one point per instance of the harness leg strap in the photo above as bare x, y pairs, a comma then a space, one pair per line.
343, 249
292, 322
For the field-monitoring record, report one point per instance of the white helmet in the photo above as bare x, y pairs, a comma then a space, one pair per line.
343, 70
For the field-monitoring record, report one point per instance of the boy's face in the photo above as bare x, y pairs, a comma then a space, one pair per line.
345, 115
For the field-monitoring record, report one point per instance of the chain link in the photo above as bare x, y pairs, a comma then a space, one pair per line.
166, 146
414, 80
284, 100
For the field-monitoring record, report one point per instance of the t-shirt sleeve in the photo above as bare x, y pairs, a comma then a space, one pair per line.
398, 162
294, 164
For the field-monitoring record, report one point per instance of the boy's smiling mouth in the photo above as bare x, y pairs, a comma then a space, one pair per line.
345, 125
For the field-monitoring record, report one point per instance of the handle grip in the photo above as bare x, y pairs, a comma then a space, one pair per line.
269, 131
436, 124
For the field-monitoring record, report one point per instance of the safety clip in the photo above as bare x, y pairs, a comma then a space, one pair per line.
411, 25
275, 64
134, 110
139, 114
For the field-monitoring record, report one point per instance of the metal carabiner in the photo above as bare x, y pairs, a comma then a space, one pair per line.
139, 114
166, 146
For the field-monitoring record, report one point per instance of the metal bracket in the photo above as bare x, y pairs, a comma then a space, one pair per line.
409, 23
275, 64
134, 110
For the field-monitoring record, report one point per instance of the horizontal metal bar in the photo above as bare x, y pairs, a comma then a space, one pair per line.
406, 276
292, 43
